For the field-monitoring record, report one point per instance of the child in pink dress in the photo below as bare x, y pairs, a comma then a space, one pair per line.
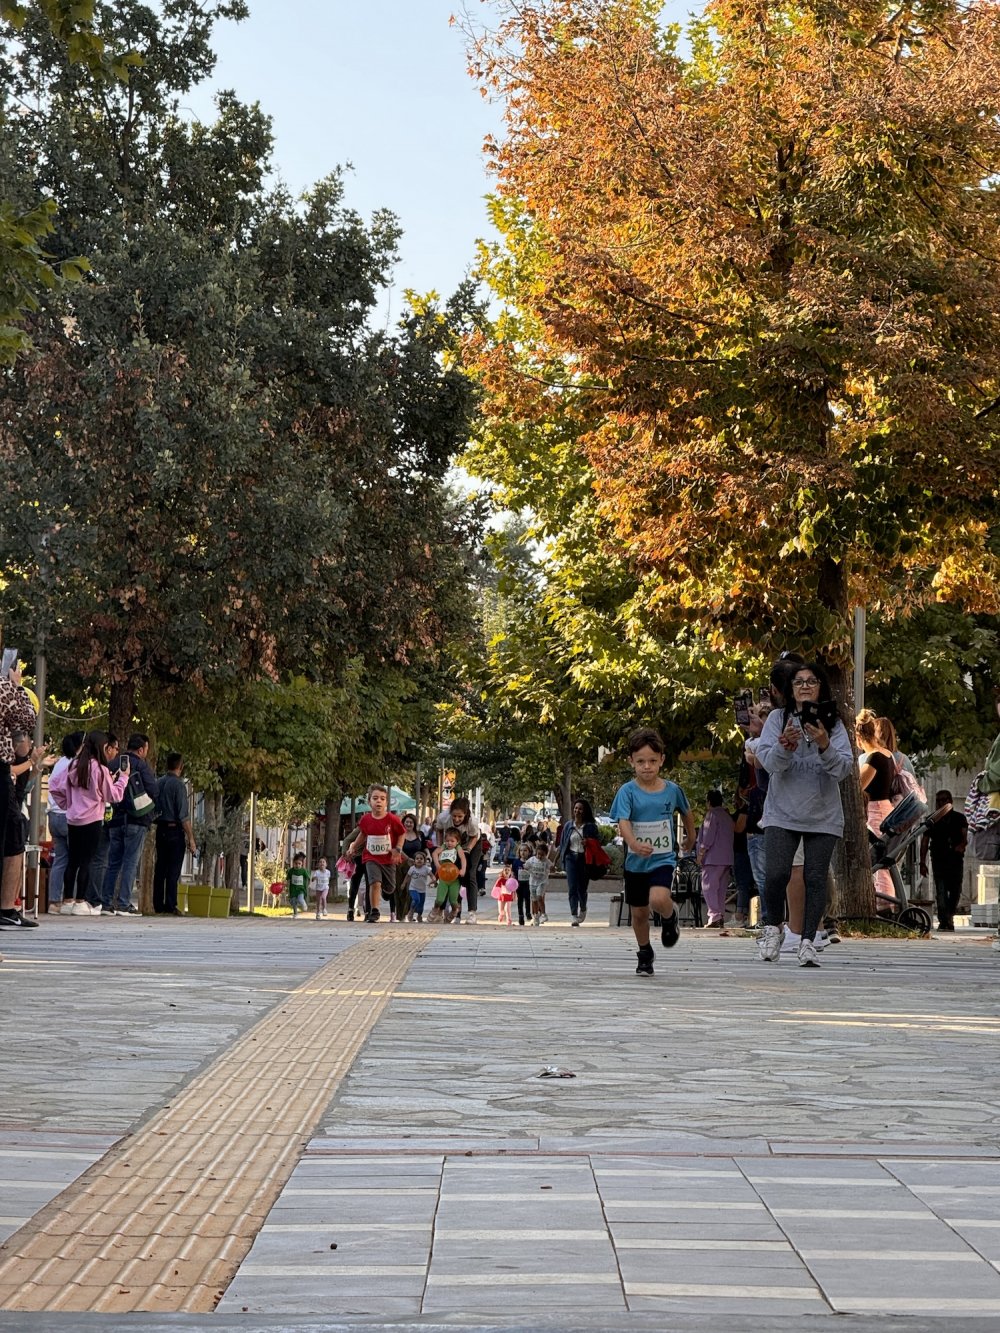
504, 891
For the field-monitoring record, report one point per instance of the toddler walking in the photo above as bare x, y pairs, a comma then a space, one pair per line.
503, 891
537, 866
449, 865
417, 880
319, 882
525, 853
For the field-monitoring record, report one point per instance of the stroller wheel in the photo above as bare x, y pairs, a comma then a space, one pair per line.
915, 918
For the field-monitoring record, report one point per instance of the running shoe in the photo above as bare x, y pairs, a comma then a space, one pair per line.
472, 919
350, 914
11, 919
575, 921
833, 935
374, 915
769, 944
808, 955
790, 941
644, 967
670, 931
582, 917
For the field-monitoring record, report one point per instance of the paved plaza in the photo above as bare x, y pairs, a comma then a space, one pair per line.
276, 1125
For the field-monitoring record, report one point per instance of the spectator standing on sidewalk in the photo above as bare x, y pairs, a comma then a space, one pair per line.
946, 838
877, 768
86, 788
131, 820
573, 853
715, 858
16, 715
173, 836
56, 817
24, 771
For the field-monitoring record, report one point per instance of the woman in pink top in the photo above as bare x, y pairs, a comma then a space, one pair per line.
83, 789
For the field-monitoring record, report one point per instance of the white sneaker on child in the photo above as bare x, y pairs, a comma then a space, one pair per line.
790, 943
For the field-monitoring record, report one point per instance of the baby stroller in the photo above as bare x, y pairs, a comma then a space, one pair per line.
900, 829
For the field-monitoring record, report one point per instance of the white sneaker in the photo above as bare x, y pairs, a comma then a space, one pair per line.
769, 944
821, 941
471, 919
808, 956
81, 908
582, 917
67, 907
575, 921
790, 943
544, 919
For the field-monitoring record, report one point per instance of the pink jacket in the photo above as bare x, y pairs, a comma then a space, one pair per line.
85, 805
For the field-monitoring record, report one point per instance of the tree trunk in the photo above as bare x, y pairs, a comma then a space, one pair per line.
855, 892
121, 709
145, 876
232, 809
331, 832
565, 790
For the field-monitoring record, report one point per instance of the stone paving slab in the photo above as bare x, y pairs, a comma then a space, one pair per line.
742, 1146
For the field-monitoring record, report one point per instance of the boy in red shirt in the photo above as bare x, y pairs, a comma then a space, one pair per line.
381, 836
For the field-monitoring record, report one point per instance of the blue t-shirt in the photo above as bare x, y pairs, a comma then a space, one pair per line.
651, 814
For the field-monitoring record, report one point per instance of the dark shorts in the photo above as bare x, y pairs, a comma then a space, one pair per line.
638, 884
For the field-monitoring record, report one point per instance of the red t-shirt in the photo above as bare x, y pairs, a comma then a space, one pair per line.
380, 837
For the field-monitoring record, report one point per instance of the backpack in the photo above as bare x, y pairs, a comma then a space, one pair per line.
139, 804
905, 784
596, 858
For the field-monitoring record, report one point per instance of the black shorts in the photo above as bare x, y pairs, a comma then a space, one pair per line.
639, 882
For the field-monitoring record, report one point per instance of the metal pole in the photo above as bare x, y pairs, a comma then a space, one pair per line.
252, 854
860, 618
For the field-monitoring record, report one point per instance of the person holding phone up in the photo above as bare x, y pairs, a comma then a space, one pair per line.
806, 751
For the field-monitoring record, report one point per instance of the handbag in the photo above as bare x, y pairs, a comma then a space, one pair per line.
596, 858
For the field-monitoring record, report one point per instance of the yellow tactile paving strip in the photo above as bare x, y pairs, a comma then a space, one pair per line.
163, 1220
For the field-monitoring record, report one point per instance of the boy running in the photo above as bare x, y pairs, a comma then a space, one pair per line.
380, 838
645, 810
449, 866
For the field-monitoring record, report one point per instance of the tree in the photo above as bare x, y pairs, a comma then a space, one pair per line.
215, 469
27, 271
768, 274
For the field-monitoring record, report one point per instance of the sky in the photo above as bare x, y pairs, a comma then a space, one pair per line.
382, 85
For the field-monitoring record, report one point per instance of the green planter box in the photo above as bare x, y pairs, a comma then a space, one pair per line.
205, 901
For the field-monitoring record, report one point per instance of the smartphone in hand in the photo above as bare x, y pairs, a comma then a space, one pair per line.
741, 707
123, 763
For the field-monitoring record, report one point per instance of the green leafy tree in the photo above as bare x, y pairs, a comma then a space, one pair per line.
216, 470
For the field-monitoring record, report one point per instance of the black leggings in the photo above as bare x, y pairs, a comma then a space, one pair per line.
82, 841
523, 902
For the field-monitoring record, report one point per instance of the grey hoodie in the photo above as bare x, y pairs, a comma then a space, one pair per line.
803, 794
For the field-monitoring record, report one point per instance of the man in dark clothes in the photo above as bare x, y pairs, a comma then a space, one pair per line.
946, 838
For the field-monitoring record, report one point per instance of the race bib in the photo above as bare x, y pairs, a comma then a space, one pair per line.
659, 832
379, 844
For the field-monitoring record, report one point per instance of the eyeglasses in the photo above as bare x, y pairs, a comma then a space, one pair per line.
805, 680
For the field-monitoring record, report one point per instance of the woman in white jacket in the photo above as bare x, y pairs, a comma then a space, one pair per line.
807, 752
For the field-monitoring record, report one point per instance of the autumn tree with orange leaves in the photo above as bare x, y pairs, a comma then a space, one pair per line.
769, 271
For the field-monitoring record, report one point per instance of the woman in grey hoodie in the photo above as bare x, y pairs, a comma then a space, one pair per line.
807, 752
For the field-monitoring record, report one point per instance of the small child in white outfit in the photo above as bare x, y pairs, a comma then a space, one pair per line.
319, 882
